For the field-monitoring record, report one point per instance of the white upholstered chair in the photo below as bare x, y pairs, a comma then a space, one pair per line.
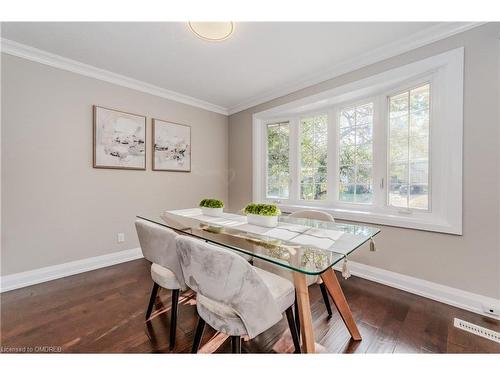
305, 214
233, 297
158, 245
313, 214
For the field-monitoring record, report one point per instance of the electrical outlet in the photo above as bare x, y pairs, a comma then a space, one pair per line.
121, 237
491, 310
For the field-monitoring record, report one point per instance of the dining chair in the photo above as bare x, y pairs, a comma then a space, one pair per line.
158, 245
303, 214
313, 214
234, 297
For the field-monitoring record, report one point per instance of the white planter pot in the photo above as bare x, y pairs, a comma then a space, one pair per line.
211, 211
262, 221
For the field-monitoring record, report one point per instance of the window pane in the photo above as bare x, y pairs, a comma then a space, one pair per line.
356, 154
277, 160
419, 124
409, 148
398, 184
419, 148
347, 118
363, 134
398, 148
419, 98
347, 182
364, 153
306, 191
364, 114
347, 137
419, 184
399, 127
398, 105
313, 155
363, 183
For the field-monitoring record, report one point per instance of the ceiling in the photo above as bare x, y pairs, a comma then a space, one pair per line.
260, 61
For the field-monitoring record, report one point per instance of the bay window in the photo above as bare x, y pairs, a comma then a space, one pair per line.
386, 149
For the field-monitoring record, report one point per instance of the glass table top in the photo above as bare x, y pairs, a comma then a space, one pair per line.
303, 245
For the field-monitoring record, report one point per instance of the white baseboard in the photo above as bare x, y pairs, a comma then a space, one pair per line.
41, 275
438, 292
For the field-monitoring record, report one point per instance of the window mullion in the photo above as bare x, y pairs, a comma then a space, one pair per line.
380, 166
294, 160
408, 163
332, 173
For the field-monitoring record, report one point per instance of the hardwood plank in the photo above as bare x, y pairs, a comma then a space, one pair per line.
102, 311
425, 328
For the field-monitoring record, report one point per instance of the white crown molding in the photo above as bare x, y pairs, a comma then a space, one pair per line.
427, 36
424, 37
451, 296
29, 53
41, 275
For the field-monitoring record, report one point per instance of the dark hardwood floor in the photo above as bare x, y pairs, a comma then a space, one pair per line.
103, 312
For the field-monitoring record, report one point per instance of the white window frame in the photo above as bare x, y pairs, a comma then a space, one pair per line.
336, 127
445, 73
296, 151
412, 85
290, 164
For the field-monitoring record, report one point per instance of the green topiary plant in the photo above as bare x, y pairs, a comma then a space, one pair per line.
262, 209
211, 203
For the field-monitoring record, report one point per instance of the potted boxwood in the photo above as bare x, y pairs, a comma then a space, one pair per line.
211, 207
265, 215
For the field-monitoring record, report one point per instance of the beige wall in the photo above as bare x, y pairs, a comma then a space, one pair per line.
56, 208
470, 262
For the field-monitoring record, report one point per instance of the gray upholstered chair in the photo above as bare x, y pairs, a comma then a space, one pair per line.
305, 214
233, 297
159, 247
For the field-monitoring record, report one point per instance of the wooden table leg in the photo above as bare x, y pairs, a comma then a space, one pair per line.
333, 287
306, 326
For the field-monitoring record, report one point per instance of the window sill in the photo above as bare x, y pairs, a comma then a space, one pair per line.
425, 222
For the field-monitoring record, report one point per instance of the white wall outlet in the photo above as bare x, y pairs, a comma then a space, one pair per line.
121, 237
491, 309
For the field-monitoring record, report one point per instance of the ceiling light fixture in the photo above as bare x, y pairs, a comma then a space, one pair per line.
212, 31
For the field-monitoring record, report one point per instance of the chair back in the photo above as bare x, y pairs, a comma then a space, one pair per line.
158, 246
224, 277
313, 214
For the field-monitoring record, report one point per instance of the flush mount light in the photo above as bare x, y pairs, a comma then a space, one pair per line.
212, 31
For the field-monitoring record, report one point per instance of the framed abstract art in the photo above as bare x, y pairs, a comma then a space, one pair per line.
171, 146
119, 139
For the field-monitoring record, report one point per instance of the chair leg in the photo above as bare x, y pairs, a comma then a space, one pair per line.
326, 299
152, 299
297, 318
293, 329
198, 335
236, 344
173, 317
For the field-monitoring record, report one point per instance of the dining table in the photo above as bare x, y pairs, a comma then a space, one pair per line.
302, 246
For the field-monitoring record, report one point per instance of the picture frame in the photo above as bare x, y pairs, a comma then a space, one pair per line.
171, 146
119, 139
